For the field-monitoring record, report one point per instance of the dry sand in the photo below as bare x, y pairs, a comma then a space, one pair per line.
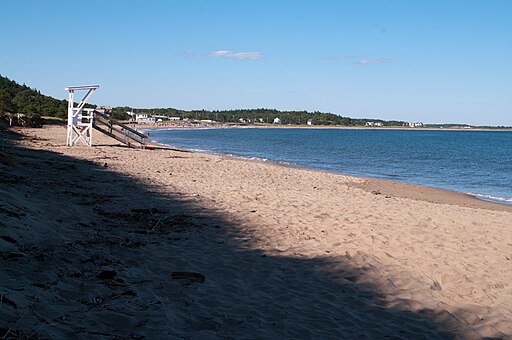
94, 243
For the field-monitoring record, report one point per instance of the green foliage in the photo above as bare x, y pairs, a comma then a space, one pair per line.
262, 116
119, 112
16, 98
6, 103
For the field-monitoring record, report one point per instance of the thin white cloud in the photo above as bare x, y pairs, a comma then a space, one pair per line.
236, 55
219, 54
371, 61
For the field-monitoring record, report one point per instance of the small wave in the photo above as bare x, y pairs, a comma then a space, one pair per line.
199, 150
247, 158
492, 198
252, 158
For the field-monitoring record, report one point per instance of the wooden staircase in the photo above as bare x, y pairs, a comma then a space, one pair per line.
119, 131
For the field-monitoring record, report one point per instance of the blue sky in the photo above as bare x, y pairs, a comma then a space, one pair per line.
429, 61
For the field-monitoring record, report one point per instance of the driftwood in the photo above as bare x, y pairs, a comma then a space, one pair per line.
195, 277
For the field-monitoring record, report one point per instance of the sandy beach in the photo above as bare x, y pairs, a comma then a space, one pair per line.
112, 242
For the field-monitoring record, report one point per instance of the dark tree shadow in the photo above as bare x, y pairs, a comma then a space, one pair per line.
117, 265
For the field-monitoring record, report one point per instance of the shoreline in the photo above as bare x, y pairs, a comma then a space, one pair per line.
380, 186
276, 126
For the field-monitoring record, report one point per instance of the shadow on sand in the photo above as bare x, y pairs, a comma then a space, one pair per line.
80, 257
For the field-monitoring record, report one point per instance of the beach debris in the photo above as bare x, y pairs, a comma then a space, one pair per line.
10, 212
127, 292
376, 192
8, 239
9, 333
146, 305
176, 157
42, 285
98, 300
150, 220
107, 275
110, 278
191, 276
11, 255
5, 300
436, 286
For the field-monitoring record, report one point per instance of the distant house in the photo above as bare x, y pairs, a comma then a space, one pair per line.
241, 120
310, 122
144, 118
379, 124
174, 118
416, 124
159, 118
277, 120
261, 120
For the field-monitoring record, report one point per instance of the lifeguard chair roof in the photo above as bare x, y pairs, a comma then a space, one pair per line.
82, 87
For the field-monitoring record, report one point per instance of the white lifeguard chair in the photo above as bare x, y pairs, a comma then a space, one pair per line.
80, 125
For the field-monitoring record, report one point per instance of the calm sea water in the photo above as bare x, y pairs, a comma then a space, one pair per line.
475, 162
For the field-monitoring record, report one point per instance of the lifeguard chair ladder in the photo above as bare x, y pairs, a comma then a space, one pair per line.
79, 125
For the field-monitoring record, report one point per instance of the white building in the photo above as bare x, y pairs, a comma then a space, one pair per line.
416, 124
277, 120
144, 118
310, 122
159, 118
379, 124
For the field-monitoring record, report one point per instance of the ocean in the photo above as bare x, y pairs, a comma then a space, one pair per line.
474, 162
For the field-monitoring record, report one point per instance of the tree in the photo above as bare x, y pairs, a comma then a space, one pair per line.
26, 101
6, 104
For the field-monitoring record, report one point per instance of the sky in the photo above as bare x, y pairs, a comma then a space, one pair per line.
422, 61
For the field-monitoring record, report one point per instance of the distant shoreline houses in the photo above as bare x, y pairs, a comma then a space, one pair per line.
410, 124
378, 124
278, 120
414, 124
146, 118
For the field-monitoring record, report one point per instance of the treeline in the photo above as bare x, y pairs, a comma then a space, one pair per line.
260, 116
16, 98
